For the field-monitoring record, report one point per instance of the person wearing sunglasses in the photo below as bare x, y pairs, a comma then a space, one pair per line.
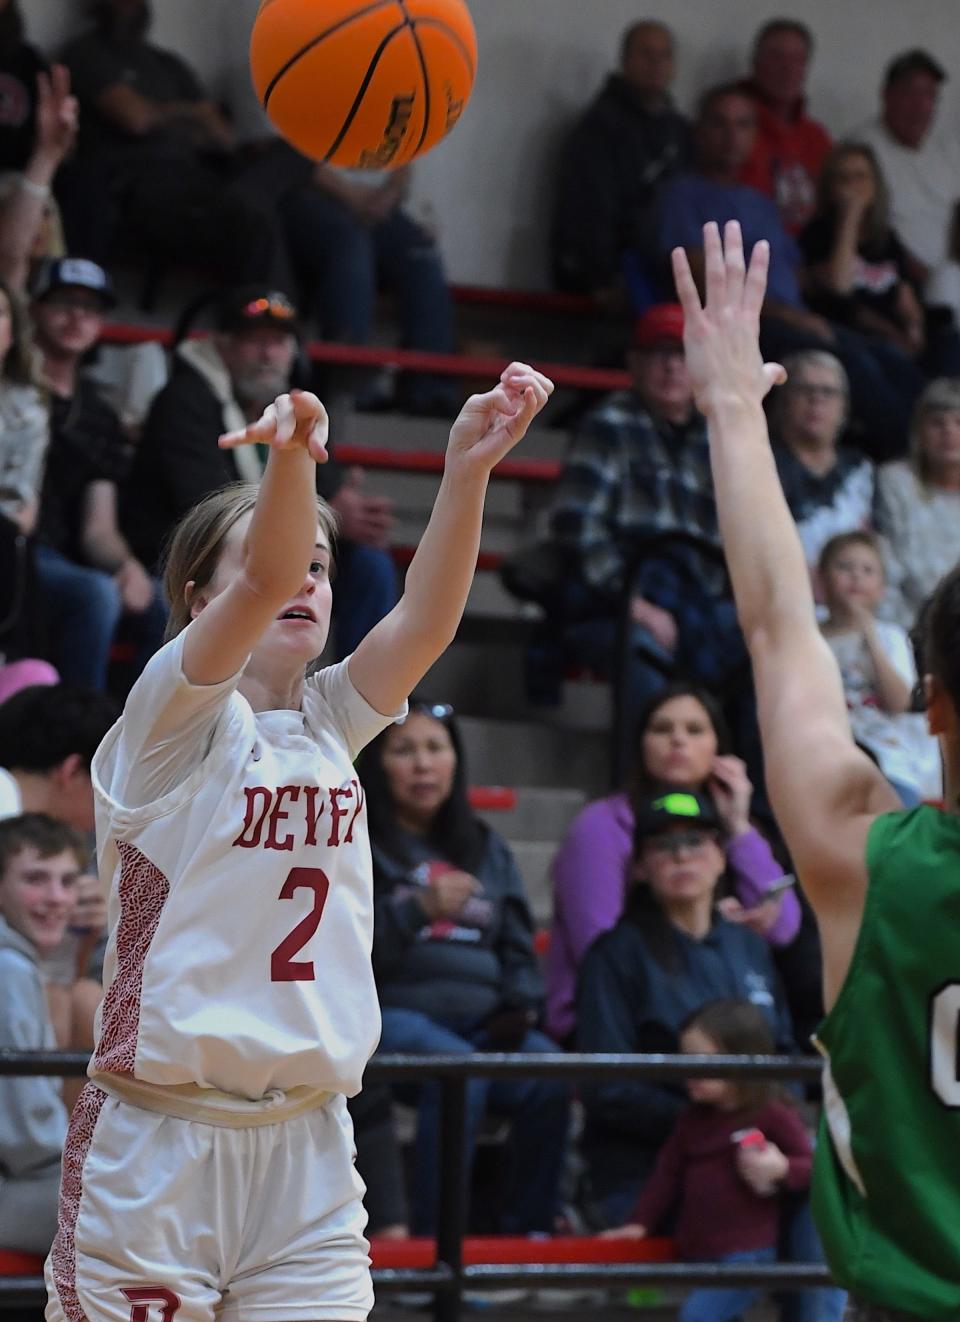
454, 961
219, 384
671, 952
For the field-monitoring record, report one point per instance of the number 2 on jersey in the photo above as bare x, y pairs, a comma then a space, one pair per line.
283, 967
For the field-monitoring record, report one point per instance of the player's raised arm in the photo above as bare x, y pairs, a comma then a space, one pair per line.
399, 651
276, 552
823, 790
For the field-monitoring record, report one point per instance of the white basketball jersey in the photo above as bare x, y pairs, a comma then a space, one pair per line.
234, 845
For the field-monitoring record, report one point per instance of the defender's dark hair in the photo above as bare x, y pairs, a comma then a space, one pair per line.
44, 834
739, 1028
936, 636
457, 833
42, 725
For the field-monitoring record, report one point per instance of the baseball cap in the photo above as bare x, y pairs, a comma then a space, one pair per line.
911, 62
257, 305
661, 324
674, 808
74, 273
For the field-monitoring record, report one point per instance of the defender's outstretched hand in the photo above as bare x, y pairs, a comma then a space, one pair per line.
293, 421
721, 338
490, 425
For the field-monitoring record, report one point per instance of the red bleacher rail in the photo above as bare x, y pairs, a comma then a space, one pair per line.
487, 561
502, 1250
428, 461
567, 375
492, 798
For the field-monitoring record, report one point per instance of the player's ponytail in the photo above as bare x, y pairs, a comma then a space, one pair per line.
196, 544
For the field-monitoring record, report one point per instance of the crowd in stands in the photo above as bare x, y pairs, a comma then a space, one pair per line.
675, 924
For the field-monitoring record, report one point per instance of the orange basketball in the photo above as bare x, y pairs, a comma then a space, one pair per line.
363, 83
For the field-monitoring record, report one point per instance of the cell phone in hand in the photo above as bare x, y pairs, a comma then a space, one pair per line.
778, 887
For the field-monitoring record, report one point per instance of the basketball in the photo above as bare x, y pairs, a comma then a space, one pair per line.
368, 84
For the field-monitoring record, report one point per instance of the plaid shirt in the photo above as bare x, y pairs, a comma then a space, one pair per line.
627, 477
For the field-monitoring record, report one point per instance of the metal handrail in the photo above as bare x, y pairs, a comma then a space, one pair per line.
449, 1277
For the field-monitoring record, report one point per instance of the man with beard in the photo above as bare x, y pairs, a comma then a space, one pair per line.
221, 384
19, 65
156, 160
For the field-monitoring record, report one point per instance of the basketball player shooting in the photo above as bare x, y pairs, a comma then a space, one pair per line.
884, 883
208, 1170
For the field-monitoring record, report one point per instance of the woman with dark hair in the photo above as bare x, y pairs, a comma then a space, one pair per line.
453, 957
682, 739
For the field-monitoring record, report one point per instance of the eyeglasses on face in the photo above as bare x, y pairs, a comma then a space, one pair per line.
673, 841
811, 391
276, 305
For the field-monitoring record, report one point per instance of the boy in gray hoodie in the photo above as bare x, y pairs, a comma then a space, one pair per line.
40, 862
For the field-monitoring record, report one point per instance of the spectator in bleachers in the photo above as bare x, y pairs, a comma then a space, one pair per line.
48, 736
883, 381
89, 576
454, 960
639, 466
790, 147
921, 164
221, 384
918, 504
20, 65
829, 486
350, 230
156, 165
629, 139
30, 229
877, 668
24, 421
671, 952
40, 862
942, 293
729, 1160
857, 272
682, 739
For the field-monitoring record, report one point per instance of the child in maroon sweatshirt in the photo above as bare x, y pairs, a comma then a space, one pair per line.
725, 1162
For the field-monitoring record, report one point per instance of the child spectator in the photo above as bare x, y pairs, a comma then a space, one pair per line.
40, 862
877, 667
726, 1162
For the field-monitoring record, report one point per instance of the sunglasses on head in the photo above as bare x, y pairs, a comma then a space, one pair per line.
276, 305
440, 711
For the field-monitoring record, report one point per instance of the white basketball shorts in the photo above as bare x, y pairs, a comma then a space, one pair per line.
171, 1220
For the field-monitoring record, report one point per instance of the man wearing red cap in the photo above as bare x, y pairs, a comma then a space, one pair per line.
640, 467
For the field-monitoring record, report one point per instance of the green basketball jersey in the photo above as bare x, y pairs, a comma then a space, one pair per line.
886, 1188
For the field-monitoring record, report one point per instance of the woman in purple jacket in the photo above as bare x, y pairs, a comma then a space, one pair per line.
682, 741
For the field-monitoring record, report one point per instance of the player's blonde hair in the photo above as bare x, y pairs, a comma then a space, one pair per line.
197, 542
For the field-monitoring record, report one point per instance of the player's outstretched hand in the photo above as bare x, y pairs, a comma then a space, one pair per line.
490, 425
293, 421
721, 338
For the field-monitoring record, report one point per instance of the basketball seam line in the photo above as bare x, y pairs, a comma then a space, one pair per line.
424, 72
452, 34
304, 50
367, 79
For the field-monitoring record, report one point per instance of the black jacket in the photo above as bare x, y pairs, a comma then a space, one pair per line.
631, 1000
177, 461
615, 157
465, 970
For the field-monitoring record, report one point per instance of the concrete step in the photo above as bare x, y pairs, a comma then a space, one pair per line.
501, 533
534, 858
540, 815
522, 753
395, 431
